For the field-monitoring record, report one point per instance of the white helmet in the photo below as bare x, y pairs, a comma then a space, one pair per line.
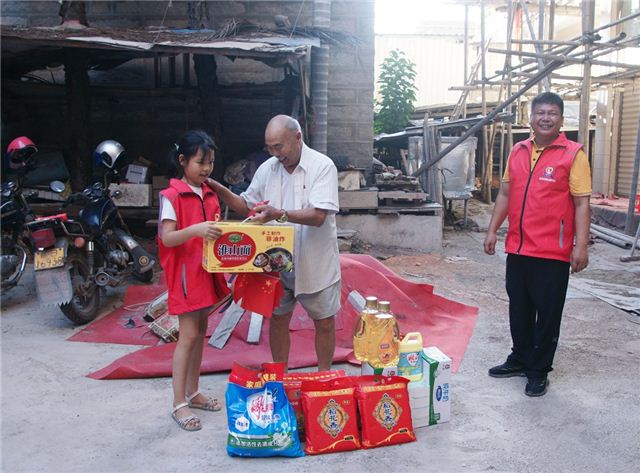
108, 152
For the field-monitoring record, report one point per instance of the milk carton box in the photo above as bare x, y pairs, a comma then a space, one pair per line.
437, 373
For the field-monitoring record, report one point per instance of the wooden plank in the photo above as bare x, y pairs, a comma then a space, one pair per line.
255, 328
427, 209
401, 195
229, 321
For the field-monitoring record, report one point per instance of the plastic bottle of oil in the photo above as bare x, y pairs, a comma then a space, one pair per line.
384, 338
410, 364
360, 340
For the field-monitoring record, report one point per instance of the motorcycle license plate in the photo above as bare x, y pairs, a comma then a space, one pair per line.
53, 258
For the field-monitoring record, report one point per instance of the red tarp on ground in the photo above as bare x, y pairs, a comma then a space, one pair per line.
443, 323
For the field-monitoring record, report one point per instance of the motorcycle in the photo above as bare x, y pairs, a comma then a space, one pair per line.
78, 257
16, 245
15, 212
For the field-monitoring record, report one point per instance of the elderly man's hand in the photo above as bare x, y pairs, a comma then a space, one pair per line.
265, 213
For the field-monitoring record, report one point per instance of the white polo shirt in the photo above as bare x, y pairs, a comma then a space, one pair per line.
313, 184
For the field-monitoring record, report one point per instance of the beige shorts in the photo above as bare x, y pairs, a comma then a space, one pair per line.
319, 305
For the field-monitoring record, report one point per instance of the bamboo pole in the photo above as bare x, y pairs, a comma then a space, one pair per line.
541, 38
487, 157
569, 59
588, 18
489, 118
533, 36
608, 25
628, 227
466, 55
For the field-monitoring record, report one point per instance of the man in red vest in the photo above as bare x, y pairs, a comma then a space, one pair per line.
545, 195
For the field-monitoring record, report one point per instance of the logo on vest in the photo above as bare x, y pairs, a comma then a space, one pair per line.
547, 175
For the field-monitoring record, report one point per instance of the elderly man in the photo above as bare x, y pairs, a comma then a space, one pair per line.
301, 187
545, 194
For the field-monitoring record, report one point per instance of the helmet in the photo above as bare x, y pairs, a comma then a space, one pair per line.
20, 151
108, 152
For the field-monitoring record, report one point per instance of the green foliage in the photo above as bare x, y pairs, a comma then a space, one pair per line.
397, 92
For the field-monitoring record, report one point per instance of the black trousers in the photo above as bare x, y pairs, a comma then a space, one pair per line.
537, 289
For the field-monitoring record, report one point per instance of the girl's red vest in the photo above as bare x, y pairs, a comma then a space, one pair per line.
541, 209
190, 286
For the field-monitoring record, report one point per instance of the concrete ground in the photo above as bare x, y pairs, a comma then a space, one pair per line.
54, 419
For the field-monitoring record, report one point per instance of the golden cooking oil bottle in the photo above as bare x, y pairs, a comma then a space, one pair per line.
360, 340
383, 334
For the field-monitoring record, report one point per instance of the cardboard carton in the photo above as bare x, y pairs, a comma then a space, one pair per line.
249, 248
137, 174
432, 394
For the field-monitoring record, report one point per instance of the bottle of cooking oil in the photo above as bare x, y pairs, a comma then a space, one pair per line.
360, 340
410, 363
384, 338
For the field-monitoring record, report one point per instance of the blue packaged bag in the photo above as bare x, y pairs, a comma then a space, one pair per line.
260, 418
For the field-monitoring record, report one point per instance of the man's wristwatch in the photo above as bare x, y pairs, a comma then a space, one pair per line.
284, 218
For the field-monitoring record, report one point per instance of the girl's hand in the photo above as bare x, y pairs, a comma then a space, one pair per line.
208, 230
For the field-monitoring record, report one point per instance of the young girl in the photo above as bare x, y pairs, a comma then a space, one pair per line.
188, 212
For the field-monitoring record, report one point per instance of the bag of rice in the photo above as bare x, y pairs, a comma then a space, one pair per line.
385, 412
293, 383
331, 416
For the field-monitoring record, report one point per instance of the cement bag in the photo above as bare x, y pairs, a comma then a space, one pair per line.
260, 418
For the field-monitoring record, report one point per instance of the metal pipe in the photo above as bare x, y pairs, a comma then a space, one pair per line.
613, 233
628, 228
610, 239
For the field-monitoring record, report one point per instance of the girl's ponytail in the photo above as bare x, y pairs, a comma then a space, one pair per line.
175, 169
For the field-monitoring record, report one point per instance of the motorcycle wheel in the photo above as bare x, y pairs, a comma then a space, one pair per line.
81, 309
144, 277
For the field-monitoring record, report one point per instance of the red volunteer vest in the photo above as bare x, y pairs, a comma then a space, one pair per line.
190, 286
541, 209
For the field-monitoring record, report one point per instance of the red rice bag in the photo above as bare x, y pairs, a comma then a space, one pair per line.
293, 383
330, 413
385, 413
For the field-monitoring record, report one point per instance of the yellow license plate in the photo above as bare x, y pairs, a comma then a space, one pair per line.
48, 259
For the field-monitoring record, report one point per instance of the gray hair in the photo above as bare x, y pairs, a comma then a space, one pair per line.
287, 122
